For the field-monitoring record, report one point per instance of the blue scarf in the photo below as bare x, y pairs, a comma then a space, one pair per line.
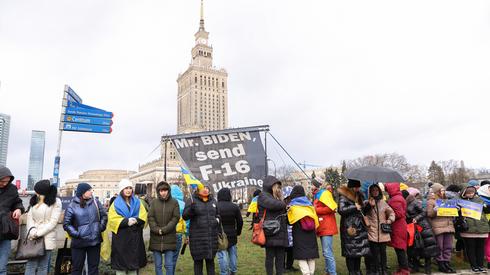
123, 210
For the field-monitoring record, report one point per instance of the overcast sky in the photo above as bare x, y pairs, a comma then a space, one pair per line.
334, 79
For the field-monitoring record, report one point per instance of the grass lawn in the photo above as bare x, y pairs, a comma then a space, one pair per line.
251, 259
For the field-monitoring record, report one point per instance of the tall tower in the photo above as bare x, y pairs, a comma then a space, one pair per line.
4, 138
202, 98
36, 158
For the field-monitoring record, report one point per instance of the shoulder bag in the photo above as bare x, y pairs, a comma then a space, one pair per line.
222, 239
28, 249
258, 235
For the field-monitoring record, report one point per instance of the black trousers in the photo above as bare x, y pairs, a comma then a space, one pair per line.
475, 251
377, 259
274, 256
353, 264
199, 265
289, 257
401, 256
92, 253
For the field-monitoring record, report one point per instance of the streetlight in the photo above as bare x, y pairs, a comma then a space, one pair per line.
275, 170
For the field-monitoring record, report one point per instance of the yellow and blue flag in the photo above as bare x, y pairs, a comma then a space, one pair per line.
301, 207
326, 198
252, 208
190, 179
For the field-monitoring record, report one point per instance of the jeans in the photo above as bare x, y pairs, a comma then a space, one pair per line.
78, 259
4, 256
169, 262
177, 250
327, 248
274, 256
39, 263
227, 260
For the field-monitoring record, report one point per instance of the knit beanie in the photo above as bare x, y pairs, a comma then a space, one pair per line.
124, 183
353, 183
82, 187
473, 183
42, 187
436, 187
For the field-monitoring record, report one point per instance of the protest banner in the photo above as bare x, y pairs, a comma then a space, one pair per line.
470, 209
447, 208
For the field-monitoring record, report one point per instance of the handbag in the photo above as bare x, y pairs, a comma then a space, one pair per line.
418, 240
9, 227
63, 264
28, 249
386, 228
222, 239
258, 235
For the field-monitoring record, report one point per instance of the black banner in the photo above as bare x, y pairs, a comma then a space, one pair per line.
233, 160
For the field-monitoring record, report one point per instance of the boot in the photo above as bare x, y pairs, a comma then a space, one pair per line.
427, 268
449, 268
442, 267
415, 266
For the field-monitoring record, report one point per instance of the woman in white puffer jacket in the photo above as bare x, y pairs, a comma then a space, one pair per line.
43, 215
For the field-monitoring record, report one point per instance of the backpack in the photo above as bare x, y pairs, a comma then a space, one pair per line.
307, 223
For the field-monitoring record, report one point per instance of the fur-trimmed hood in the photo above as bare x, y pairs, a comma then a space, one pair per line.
350, 194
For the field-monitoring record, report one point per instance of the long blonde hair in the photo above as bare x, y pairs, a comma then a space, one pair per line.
277, 191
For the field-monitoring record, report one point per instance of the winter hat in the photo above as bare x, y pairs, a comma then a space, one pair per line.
42, 187
473, 183
317, 183
163, 185
353, 183
413, 191
82, 187
123, 184
436, 187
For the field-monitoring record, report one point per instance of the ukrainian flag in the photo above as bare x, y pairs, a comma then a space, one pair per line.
190, 179
326, 198
299, 208
252, 208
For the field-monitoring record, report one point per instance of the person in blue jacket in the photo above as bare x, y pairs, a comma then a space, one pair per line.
177, 194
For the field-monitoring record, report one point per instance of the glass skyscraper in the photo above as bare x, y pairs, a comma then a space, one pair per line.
4, 138
36, 158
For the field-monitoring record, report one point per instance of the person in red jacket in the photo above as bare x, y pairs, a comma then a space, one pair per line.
399, 227
328, 224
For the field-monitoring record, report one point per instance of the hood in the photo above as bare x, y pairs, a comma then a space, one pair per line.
298, 191
484, 191
393, 189
176, 193
268, 182
5, 172
463, 193
380, 195
162, 185
413, 191
409, 199
350, 194
224, 194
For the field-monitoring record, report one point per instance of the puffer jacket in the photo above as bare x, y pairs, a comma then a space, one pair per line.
440, 225
274, 209
353, 231
9, 196
203, 231
415, 212
231, 217
84, 225
399, 237
44, 219
326, 218
162, 218
381, 213
476, 226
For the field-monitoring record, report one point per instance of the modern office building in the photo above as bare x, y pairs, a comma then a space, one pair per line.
36, 158
4, 138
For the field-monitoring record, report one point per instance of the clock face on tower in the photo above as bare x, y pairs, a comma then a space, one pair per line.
202, 41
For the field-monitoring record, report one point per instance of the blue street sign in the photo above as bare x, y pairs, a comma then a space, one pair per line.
92, 112
71, 95
77, 127
87, 120
56, 170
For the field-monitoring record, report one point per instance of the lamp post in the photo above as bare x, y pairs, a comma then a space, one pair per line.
275, 170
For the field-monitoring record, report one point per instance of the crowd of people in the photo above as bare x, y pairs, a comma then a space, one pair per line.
373, 216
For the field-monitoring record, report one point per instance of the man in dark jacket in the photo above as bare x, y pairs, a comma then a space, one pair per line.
10, 207
232, 222
163, 217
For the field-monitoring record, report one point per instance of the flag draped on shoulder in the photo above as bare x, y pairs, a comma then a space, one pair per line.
190, 179
299, 208
119, 211
252, 208
326, 197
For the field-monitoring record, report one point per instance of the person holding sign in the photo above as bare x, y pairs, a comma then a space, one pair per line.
474, 237
442, 227
325, 207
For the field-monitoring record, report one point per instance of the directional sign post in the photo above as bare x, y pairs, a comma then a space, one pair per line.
78, 117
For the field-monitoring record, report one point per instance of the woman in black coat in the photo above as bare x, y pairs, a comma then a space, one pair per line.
305, 246
202, 211
415, 214
353, 231
271, 204
231, 219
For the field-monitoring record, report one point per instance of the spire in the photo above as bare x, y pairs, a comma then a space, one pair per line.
201, 22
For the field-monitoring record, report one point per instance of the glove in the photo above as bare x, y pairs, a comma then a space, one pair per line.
33, 235
132, 221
